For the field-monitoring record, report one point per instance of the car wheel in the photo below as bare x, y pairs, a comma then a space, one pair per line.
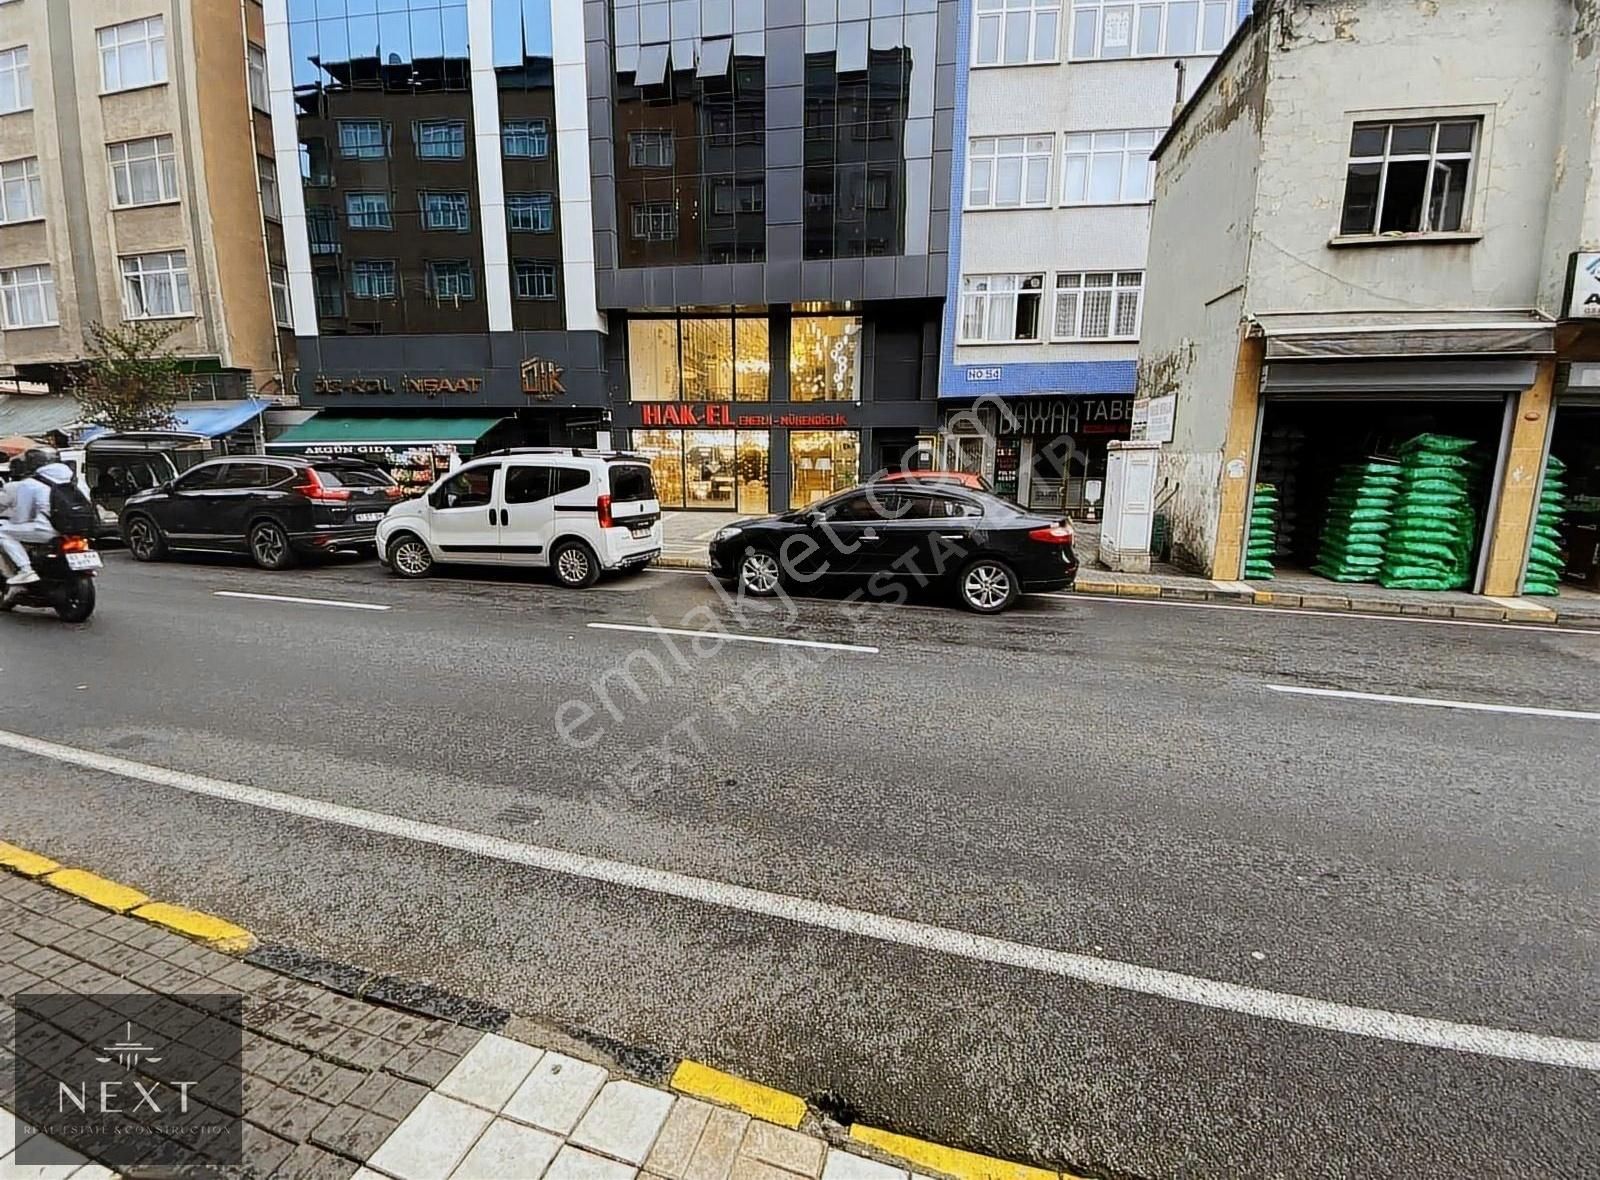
759, 573
987, 586
269, 546
144, 539
575, 565
409, 556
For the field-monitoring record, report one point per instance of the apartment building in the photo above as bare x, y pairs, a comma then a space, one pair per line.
138, 182
1059, 104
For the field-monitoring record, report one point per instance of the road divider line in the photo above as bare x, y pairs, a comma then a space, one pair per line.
1281, 1007
300, 601
729, 635
1384, 698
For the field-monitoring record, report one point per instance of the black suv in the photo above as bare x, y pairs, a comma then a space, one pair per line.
274, 509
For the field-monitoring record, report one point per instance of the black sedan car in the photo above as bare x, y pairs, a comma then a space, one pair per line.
275, 509
887, 537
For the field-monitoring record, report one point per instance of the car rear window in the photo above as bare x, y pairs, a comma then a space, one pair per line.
632, 481
353, 477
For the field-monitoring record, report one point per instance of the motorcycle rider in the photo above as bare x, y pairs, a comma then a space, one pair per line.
30, 516
16, 471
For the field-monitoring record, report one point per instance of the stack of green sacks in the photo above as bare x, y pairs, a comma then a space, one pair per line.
1263, 542
1545, 562
1360, 510
1434, 530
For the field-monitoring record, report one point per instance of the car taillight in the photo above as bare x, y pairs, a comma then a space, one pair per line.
314, 490
74, 544
603, 506
1052, 534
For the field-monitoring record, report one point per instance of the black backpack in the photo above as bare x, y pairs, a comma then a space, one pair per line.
71, 513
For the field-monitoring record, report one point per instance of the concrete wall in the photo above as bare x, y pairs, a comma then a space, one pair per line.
1573, 220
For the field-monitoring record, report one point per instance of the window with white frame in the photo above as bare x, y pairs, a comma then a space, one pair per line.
1409, 178
1000, 309
1009, 171
27, 297
279, 278
256, 69
1108, 167
368, 210
651, 149
133, 54
1016, 32
21, 194
525, 139
156, 285
655, 221
451, 281
534, 279
373, 278
16, 80
143, 172
530, 212
447, 211
1097, 305
363, 139
270, 206
1151, 28
441, 139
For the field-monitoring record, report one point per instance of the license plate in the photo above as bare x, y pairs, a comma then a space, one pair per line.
641, 534
368, 517
83, 561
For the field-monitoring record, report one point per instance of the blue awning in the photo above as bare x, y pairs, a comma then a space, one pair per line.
212, 419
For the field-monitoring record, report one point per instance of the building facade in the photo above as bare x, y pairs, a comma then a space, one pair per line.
1364, 239
1060, 103
138, 182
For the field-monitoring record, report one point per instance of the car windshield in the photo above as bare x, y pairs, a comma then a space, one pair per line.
353, 477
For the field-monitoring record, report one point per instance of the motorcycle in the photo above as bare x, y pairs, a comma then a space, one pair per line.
66, 567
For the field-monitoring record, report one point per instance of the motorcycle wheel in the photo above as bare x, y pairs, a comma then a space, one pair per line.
76, 603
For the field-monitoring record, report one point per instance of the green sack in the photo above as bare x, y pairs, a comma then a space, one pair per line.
1424, 550
1445, 444
1438, 486
1548, 532
1554, 463
1418, 583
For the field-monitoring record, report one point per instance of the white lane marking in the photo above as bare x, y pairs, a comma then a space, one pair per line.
299, 601
1358, 616
1209, 993
772, 639
1434, 702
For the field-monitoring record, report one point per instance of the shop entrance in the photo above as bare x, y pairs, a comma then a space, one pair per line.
1313, 450
1575, 443
724, 470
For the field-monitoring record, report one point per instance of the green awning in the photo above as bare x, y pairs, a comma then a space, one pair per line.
335, 429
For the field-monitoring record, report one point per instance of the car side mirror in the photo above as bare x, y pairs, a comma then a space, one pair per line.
816, 519
169, 486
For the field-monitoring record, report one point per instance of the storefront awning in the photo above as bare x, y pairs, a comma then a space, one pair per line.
336, 429
1350, 336
34, 415
207, 419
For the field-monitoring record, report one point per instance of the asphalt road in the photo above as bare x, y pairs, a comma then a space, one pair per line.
1105, 778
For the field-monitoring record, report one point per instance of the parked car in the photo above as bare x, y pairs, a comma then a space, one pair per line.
986, 549
117, 466
579, 512
959, 479
275, 509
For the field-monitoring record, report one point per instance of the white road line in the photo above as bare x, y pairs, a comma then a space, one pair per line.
771, 639
1434, 702
1230, 997
299, 601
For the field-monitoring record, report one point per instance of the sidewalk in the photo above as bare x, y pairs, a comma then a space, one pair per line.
370, 1077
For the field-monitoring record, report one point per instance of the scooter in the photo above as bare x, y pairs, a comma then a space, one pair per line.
66, 567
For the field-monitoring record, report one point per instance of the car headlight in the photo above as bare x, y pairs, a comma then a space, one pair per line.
726, 534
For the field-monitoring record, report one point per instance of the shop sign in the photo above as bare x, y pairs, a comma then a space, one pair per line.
698, 416
1067, 416
1583, 287
428, 387
541, 378
985, 373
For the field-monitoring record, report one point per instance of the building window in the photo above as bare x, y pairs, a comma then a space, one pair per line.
446, 211
280, 296
1016, 32
738, 196
16, 80
1150, 28
368, 210
1108, 168
451, 281
363, 139
1098, 305
655, 221
825, 358
525, 139
329, 293
27, 297
530, 212
316, 171
441, 139
270, 206
822, 462
651, 149
1010, 171
372, 279
699, 359
156, 285
534, 280
256, 66
21, 194
133, 54
143, 172
1000, 309
322, 228
1409, 178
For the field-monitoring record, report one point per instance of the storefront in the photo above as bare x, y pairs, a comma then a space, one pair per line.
1047, 453
415, 450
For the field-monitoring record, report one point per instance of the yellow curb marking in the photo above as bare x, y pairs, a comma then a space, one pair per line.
950, 1161
29, 864
214, 932
762, 1102
1264, 598
97, 890
1139, 589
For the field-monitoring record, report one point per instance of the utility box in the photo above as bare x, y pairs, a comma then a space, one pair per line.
1130, 506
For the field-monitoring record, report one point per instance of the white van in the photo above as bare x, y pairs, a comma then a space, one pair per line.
579, 512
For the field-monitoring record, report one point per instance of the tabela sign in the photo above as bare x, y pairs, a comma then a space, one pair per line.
1583, 287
